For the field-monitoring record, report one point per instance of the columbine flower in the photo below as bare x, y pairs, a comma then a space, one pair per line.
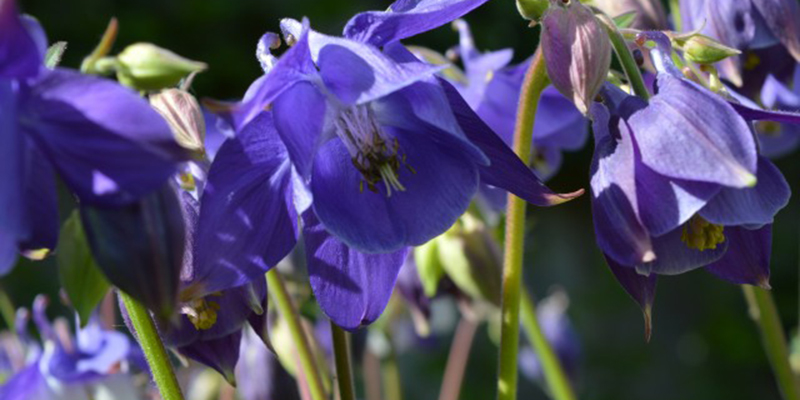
73, 368
365, 147
677, 183
105, 142
778, 139
746, 25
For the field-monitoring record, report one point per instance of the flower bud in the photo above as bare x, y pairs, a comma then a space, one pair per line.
702, 49
471, 258
532, 10
139, 247
184, 116
144, 66
577, 51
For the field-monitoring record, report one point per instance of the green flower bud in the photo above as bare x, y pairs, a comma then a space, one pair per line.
144, 66
702, 49
532, 10
182, 112
429, 267
471, 258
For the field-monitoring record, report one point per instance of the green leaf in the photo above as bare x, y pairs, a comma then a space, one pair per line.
54, 54
81, 278
625, 20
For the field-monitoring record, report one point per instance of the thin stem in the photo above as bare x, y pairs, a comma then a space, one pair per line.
535, 82
371, 367
392, 384
625, 58
457, 359
557, 379
762, 310
7, 310
675, 10
279, 295
344, 368
153, 348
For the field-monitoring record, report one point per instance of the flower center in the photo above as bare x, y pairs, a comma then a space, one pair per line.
201, 313
375, 154
702, 235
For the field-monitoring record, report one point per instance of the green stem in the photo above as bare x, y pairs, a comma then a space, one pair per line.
344, 368
625, 58
154, 351
279, 295
762, 310
555, 376
535, 82
7, 310
675, 10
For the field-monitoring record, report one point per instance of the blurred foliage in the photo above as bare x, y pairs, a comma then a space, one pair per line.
704, 344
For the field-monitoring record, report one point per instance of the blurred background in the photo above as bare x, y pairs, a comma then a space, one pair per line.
704, 344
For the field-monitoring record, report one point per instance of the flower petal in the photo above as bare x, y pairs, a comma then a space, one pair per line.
505, 170
438, 189
750, 206
783, 19
301, 131
351, 287
640, 287
247, 220
11, 178
688, 133
222, 354
41, 204
108, 144
674, 257
406, 18
20, 57
747, 258
615, 206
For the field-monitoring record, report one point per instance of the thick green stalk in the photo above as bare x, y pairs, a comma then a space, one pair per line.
153, 348
557, 379
625, 58
344, 368
7, 310
536, 81
762, 310
279, 295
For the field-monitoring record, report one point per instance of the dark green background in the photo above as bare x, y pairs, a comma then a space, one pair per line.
704, 345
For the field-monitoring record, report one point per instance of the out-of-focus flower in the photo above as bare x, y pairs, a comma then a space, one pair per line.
104, 141
746, 25
88, 366
577, 51
650, 14
551, 313
779, 139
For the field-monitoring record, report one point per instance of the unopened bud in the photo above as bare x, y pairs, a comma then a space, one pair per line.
577, 51
532, 10
184, 116
145, 66
702, 49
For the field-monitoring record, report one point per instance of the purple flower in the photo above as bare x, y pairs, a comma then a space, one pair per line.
745, 25
677, 184
104, 141
779, 139
364, 149
491, 87
68, 367
551, 313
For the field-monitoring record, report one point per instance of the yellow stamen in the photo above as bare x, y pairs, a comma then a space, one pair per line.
700, 234
201, 313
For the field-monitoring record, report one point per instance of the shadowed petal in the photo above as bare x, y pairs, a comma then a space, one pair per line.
406, 18
505, 170
783, 19
688, 133
220, 354
109, 145
247, 220
299, 116
438, 189
640, 287
20, 57
674, 257
750, 206
615, 208
351, 287
747, 258
11, 178
41, 204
